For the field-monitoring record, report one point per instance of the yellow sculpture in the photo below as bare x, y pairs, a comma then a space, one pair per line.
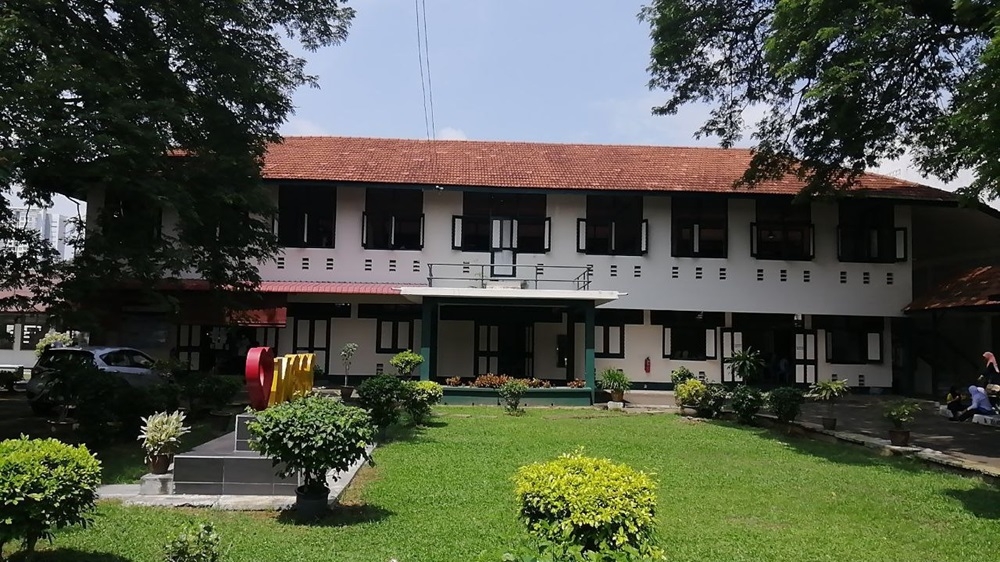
293, 377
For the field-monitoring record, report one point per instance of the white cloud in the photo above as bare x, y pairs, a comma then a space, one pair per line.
451, 133
297, 126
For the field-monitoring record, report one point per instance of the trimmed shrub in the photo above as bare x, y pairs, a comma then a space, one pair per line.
199, 543
511, 393
679, 375
712, 401
381, 396
690, 392
418, 399
785, 403
453, 381
205, 392
746, 402
405, 362
312, 435
44, 485
593, 506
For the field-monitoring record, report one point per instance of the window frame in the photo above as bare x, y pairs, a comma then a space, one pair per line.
603, 340
299, 200
861, 222
480, 209
690, 213
394, 347
867, 332
782, 216
390, 207
615, 214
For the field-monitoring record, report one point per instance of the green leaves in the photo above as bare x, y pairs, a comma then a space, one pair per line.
843, 85
785, 403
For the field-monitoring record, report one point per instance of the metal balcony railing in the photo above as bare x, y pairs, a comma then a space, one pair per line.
523, 276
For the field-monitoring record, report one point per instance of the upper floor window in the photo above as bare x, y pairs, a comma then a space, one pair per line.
306, 216
868, 233
614, 226
130, 217
700, 228
502, 221
394, 219
783, 230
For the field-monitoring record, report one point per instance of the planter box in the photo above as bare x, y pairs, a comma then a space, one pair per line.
470, 396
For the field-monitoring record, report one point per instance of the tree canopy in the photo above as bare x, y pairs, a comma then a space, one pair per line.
166, 108
844, 84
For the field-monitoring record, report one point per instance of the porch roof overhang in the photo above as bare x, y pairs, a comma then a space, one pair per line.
977, 289
418, 294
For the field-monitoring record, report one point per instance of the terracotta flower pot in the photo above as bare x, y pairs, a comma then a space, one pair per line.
829, 423
159, 464
617, 396
899, 437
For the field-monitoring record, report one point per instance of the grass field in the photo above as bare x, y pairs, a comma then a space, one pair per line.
726, 493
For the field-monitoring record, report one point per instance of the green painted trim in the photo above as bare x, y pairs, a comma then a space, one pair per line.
589, 364
471, 396
428, 338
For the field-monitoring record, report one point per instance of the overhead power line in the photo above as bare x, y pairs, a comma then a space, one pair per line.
424, 61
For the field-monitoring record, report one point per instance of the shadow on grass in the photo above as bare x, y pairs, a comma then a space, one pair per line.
67, 555
983, 501
341, 515
405, 433
837, 452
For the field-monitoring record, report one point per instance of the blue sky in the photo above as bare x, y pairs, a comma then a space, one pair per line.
530, 70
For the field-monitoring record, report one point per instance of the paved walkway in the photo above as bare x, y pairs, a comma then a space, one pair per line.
863, 414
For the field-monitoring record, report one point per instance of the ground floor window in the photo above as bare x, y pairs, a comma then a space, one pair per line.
312, 335
609, 341
7, 335
695, 343
852, 340
393, 335
31, 334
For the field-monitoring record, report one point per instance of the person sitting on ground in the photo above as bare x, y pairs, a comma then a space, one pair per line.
954, 401
980, 404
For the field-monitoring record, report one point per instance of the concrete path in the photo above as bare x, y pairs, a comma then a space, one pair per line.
863, 415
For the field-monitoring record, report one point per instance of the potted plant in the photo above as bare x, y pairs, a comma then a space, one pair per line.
690, 393
829, 392
900, 414
347, 358
218, 393
745, 365
405, 362
161, 437
616, 383
678, 376
308, 437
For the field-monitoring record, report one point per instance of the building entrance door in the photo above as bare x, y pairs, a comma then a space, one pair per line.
505, 347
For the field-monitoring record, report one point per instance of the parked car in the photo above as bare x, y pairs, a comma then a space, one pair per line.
132, 365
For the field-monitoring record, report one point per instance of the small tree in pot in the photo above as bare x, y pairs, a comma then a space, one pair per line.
829, 392
406, 362
347, 358
616, 382
678, 377
900, 414
310, 436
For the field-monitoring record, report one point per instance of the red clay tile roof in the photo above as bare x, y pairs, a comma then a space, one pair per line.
322, 287
979, 287
538, 165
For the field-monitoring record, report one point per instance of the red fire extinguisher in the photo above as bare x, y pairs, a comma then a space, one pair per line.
647, 365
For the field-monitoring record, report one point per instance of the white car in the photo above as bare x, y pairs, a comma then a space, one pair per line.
132, 365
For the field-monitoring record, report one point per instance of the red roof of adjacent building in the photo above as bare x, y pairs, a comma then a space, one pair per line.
320, 287
539, 166
976, 288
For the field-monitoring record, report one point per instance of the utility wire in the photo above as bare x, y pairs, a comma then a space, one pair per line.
427, 62
420, 60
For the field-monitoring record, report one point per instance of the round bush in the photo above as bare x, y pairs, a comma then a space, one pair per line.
747, 401
590, 503
511, 393
312, 435
419, 397
381, 396
785, 403
44, 485
690, 392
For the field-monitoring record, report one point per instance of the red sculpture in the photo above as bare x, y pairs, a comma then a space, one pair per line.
259, 376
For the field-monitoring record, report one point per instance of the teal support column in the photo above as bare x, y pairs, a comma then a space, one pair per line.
428, 339
588, 348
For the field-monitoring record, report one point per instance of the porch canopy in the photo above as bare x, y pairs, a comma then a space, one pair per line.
575, 301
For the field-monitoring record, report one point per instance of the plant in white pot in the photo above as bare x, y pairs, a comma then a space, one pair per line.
829, 392
161, 437
308, 437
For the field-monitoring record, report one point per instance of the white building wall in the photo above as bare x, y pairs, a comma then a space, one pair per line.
651, 281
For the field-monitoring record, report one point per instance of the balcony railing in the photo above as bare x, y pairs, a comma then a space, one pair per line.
872, 245
782, 241
472, 275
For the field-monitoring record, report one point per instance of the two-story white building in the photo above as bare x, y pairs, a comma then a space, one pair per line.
555, 261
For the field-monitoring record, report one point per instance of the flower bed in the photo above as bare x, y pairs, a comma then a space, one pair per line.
559, 396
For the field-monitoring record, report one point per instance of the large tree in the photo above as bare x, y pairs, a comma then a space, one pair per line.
844, 84
166, 108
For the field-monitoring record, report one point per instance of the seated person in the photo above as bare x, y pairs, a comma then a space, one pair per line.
954, 401
991, 374
980, 404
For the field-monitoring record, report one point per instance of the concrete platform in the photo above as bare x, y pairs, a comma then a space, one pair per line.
217, 468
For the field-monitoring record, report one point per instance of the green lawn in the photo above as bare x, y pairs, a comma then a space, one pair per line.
726, 493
